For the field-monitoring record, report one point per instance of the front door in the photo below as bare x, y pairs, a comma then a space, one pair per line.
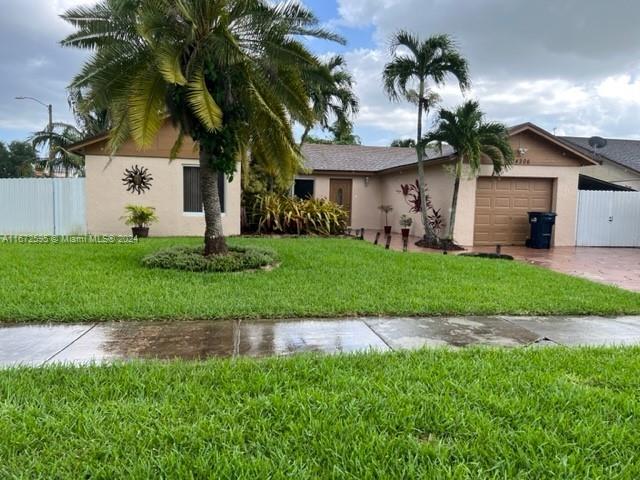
340, 193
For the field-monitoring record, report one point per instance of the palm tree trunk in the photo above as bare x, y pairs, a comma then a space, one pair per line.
214, 242
429, 235
454, 199
304, 136
454, 206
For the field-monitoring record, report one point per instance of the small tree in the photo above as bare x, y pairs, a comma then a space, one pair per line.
472, 139
386, 209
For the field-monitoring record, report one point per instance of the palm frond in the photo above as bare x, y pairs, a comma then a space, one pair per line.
146, 107
202, 103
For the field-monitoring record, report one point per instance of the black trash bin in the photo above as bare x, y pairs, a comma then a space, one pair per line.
541, 228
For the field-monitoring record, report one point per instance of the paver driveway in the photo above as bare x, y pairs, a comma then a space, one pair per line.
614, 266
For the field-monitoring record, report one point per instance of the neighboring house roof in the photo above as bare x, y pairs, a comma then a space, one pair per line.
622, 152
358, 158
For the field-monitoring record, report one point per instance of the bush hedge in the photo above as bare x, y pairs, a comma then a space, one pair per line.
192, 259
274, 213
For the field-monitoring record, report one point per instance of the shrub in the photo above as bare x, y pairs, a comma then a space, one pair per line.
192, 259
139, 215
283, 214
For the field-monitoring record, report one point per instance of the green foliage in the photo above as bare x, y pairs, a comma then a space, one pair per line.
404, 143
418, 65
90, 119
477, 413
405, 221
275, 213
432, 60
232, 74
330, 89
317, 277
59, 140
472, 138
17, 160
192, 259
139, 215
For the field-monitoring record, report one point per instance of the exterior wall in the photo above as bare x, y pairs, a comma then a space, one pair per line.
365, 198
564, 201
106, 197
614, 173
440, 189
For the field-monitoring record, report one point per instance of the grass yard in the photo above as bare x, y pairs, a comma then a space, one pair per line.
318, 277
476, 413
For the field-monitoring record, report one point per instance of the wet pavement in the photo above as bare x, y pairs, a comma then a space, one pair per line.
613, 266
104, 342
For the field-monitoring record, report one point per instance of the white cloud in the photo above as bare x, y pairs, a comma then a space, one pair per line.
572, 66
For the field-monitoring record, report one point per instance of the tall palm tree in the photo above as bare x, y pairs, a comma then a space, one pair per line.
59, 140
229, 73
473, 139
411, 75
332, 96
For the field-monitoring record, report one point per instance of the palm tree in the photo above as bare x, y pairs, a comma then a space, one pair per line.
465, 130
409, 75
228, 73
59, 139
331, 93
90, 120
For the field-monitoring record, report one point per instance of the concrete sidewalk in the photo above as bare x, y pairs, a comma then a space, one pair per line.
46, 344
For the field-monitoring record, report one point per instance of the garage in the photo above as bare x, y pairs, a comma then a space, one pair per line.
502, 204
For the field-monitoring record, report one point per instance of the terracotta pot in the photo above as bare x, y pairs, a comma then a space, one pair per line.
387, 229
405, 232
140, 232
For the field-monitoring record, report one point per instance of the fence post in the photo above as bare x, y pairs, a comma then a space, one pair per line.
53, 204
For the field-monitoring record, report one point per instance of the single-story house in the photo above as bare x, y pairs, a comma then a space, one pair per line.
491, 210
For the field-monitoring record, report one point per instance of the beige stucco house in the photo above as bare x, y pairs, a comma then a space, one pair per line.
174, 189
491, 210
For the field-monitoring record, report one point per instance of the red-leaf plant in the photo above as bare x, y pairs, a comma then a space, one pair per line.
411, 194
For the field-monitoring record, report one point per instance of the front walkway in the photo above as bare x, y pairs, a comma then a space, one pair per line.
613, 266
45, 344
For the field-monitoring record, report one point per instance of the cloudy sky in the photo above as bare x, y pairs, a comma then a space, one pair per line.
570, 66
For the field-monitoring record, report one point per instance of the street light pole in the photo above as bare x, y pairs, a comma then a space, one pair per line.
49, 128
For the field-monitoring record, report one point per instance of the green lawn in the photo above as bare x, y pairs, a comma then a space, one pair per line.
318, 277
476, 413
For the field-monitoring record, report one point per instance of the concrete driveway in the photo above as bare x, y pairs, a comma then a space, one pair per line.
613, 266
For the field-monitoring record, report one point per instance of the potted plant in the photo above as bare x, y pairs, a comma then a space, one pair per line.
140, 217
405, 223
386, 209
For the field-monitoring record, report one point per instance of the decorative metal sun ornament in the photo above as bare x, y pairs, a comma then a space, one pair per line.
137, 179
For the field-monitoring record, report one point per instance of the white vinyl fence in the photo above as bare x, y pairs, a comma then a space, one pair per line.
608, 219
45, 206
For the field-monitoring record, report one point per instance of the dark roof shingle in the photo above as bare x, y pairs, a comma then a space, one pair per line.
623, 152
358, 158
